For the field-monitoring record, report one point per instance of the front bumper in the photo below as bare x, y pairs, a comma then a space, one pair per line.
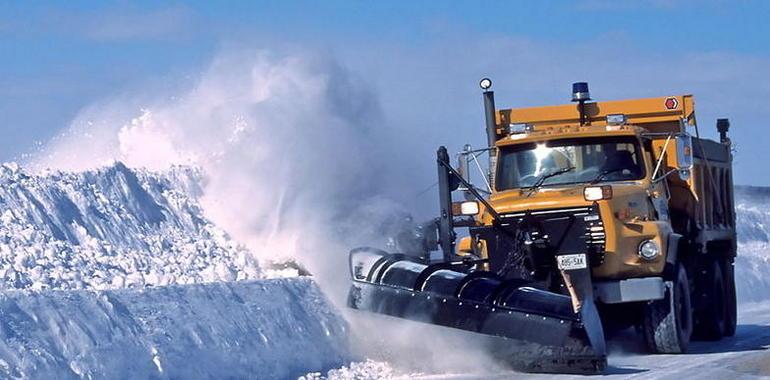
630, 290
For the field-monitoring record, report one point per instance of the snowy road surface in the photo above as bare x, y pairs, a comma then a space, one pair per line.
747, 355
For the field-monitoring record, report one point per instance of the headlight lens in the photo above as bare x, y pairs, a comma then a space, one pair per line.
649, 250
597, 193
465, 208
469, 208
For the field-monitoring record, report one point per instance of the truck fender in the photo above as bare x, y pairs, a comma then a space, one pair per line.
672, 248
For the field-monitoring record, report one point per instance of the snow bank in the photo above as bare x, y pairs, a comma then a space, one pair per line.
752, 265
752, 268
249, 329
117, 273
113, 227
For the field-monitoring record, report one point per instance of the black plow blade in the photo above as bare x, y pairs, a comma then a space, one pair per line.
529, 329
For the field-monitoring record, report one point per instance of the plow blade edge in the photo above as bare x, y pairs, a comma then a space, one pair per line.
530, 329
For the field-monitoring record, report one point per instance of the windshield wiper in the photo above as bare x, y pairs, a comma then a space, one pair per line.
604, 174
542, 178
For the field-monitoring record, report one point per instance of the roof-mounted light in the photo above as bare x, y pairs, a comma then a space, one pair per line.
519, 128
485, 84
616, 119
580, 92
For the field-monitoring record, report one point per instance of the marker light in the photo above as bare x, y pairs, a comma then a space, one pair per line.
649, 250
597, 193
616, 119
485, 84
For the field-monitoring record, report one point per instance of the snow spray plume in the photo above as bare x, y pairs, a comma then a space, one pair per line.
293, 148
288, 144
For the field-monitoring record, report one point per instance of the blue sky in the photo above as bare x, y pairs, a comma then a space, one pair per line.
417, 57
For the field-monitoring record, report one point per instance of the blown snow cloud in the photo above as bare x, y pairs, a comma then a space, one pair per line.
288, 146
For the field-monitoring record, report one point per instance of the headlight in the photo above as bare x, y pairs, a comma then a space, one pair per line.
465, 208
596, 193
469, 208
649, 250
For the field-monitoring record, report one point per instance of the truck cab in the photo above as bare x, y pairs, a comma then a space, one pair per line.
610, 173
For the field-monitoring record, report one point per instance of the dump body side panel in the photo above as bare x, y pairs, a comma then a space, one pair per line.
702, 207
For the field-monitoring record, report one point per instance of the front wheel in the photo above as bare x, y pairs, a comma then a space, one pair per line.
667, 323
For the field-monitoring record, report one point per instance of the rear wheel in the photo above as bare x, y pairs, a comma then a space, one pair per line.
710, 302
731, 306
667, 323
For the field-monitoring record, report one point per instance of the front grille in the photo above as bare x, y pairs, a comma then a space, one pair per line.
551, 232
576, 211
596, 238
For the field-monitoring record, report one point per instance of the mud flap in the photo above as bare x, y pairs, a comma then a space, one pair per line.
530, 329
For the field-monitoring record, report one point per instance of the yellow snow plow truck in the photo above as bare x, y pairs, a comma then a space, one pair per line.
592, 217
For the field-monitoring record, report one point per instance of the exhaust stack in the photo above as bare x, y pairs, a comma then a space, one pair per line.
723, 125
491, 124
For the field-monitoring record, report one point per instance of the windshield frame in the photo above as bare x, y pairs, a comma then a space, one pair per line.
571, 141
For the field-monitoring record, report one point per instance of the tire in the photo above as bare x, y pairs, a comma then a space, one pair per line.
711, 304
667, 323
731, 304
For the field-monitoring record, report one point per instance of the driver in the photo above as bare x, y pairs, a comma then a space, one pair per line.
621, 161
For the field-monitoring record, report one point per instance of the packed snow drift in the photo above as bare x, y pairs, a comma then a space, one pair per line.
250, 329
111, 228
117, 273
752, 266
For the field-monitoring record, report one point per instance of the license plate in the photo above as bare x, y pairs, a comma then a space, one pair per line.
570, 262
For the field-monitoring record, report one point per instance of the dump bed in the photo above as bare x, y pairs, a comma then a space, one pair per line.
707, 196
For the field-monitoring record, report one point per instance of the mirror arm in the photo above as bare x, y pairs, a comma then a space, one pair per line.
472, 190
656, 180
468, 155
660, 159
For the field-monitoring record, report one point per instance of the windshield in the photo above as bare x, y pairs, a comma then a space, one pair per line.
592, 159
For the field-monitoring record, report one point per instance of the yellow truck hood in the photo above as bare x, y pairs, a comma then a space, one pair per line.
561, 197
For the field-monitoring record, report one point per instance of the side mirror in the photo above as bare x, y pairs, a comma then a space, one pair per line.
462, 162
684, 160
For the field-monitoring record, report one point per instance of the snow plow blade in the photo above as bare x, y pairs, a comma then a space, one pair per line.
529, 329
